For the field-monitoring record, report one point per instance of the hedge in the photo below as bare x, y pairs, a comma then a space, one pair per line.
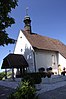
34, 77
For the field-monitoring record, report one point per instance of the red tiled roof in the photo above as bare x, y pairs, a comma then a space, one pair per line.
45, 43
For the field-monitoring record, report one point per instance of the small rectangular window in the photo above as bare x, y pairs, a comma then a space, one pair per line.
21, 50
20, 36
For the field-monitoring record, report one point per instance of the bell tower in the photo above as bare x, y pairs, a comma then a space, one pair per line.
27, 22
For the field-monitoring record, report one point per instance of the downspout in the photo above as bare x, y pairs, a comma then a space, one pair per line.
58, 58
34, 60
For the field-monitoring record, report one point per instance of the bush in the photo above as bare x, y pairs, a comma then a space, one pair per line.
63, 73
49, 69
28, 78
24, 91
42, 74
49, 74
41, 69
2, 74
36, 77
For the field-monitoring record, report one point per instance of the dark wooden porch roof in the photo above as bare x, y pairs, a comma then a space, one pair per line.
14, 61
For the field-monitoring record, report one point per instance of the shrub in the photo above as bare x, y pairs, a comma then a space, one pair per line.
63, 73
24, 91
49, 69
28, 78
2, 74
41, 69
42, 74
36, 77
48, 74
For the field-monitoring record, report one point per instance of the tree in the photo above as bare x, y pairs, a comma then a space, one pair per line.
6, 21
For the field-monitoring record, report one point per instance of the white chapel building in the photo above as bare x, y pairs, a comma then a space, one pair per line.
40, 51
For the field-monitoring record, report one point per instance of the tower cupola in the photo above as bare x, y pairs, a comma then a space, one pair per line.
27, 22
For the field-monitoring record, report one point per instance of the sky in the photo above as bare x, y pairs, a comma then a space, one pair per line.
48, 18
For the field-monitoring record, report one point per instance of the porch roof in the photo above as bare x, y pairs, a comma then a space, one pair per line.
14, 61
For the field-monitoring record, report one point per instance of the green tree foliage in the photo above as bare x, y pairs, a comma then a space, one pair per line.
5, 20
2, 75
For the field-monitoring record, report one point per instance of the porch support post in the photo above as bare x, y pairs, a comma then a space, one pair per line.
12, 73
21, 72
5, 73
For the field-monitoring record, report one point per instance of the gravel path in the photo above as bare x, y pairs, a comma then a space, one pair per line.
59, 93
47, 91
5, 92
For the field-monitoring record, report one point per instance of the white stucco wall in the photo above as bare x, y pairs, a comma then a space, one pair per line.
24, 47
42, 58
46, 59
62, 61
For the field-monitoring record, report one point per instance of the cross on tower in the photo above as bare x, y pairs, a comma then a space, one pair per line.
27, 11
